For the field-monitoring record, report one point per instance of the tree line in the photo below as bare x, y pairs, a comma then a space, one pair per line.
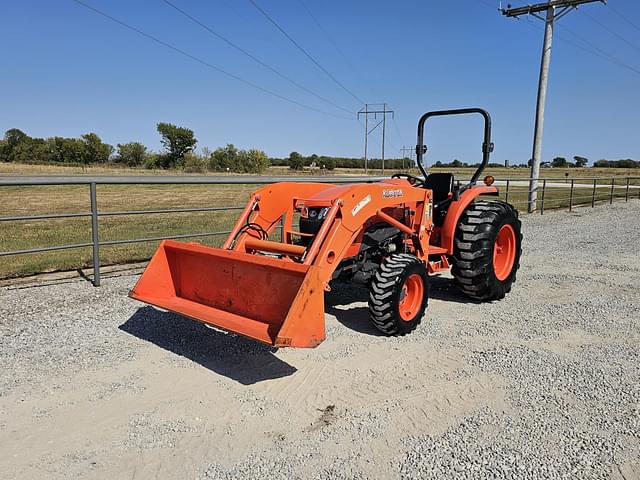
179, 151
578, 161
296, 161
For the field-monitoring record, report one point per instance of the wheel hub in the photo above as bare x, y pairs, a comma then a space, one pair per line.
411, 297
504, 252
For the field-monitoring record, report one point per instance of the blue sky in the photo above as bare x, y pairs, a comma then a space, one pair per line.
67, 71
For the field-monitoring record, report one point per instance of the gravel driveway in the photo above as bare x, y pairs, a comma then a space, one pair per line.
544, 384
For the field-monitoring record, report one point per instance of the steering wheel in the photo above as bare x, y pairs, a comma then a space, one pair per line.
413, 180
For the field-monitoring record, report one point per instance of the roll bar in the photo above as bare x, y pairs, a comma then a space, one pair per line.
487, 145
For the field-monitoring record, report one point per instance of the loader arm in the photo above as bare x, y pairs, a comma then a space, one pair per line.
350, 208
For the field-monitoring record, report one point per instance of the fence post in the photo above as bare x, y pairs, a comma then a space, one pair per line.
94, 235
571, 196
626, 193
506, 194
593, 194
613, 182
544, 187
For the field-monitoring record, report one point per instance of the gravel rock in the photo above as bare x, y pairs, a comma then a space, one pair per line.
542, 384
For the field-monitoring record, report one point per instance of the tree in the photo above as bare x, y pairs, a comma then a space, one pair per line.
580, 161
31, 150
12, 139
95, 151
253, 161
312, 160
66, 150
327, 162
224, 159
559, 162
456, 164
177, 141
296, 162
193, 163
131, 154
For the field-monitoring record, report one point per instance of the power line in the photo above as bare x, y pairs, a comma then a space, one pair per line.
624, 17
488, 4
611, 31
395, 125
253, 57
588, 48
334, 43
376, 111
593, 50
598, 51
307, 54
203, 62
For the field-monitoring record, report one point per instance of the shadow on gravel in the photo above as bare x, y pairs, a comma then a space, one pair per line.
339, 303
233, 356
442, 288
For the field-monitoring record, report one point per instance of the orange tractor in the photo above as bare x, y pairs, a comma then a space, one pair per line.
267, 282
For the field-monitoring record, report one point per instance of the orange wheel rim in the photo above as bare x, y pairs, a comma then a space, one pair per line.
504, 252
411, 297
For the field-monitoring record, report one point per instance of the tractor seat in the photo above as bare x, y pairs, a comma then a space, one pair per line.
441, 184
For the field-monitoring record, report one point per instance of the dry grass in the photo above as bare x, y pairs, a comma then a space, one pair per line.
498, 172
71, 199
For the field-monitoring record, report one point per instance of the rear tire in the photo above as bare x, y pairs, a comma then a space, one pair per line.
399, 294
488, 245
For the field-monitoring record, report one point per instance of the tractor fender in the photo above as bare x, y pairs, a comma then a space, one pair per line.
456, 208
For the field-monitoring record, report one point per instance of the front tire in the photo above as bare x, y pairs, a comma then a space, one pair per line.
399, 294
488, 245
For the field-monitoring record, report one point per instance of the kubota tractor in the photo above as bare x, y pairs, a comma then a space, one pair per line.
390, 235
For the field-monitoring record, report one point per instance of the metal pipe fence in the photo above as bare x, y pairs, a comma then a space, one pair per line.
515, 190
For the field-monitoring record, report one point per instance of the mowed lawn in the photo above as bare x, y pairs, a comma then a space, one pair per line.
33, 200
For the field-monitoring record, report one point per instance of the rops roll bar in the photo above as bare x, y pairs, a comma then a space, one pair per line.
487, 145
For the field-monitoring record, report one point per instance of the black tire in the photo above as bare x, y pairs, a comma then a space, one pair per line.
386, 294
475, 237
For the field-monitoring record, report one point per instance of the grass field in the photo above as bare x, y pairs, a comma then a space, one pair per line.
71, 199
500, 173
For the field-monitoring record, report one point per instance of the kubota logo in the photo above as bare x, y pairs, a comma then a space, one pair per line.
397, 192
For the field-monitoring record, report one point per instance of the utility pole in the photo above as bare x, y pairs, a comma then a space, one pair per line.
366, 137
384, 128
404, 150
555, 9
375, 111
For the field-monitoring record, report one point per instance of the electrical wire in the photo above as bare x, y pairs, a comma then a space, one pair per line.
335, 44
204, 62
610, 30
254, 58
589, 47
395, 125
307, 54
598, 51
622, 16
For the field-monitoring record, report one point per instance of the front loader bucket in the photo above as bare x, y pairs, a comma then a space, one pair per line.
268, 299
